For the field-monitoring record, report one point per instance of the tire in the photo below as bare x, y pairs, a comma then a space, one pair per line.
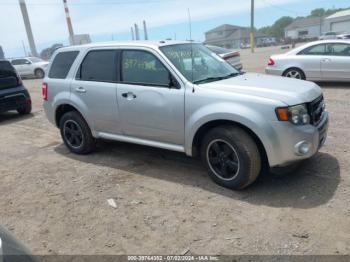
242, 165
76, 133
25, 110
294, 73
39, 73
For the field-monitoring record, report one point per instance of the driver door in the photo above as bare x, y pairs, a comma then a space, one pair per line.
150, 99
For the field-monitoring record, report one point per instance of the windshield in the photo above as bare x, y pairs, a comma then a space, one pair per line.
203, 67
35, 60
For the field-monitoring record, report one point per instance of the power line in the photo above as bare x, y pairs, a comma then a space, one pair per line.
123, 2
282, 8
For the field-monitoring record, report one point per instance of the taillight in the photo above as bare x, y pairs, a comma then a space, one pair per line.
271, 62
19, 80
45, 91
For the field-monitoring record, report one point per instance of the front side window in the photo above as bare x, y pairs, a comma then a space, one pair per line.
338, 49
197, 63
62, 64
99, 66
143, 68
314, 50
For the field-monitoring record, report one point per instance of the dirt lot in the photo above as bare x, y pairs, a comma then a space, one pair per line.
56, 202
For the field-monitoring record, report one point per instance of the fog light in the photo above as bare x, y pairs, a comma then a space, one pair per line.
302, 148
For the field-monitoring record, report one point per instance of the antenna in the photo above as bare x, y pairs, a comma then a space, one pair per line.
192, 59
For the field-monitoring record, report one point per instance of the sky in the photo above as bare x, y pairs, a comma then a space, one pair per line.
107, 20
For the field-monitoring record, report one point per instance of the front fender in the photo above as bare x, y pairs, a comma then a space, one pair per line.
252, 119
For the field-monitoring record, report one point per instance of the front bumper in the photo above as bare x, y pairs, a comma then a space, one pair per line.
289, 138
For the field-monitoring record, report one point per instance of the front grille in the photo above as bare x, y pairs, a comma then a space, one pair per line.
316, 109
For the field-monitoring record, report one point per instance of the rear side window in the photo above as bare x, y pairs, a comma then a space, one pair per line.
314, 50
62, 64
8, 75
99, 66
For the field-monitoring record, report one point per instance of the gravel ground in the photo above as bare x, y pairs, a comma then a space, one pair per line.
56, 202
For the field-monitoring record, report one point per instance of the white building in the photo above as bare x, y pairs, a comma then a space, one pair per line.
338, 22
305, 28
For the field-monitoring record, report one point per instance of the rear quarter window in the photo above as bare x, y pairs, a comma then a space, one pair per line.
62, 63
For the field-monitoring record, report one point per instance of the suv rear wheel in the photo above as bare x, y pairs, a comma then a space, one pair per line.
231, 157
76, 133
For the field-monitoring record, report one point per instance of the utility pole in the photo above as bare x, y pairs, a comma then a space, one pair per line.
69, 23
145, 30
28, 27
137, 34
252, 39
132, 33
24, 49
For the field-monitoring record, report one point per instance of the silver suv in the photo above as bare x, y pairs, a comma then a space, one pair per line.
181, 96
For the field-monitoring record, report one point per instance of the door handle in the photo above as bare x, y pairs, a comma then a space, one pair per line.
129, 95
326, 60
80, 90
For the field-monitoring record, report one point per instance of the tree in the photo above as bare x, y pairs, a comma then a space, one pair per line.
277, 29
319, 12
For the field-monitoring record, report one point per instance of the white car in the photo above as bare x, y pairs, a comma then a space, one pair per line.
30, 66
233, 57
327, 60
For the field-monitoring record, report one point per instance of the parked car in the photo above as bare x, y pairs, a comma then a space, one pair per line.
13, 95
343, 36
233, 57
327, 60
147, 93
328, 35
11, 250
30, 66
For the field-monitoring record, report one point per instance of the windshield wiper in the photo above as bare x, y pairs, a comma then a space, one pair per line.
216, 78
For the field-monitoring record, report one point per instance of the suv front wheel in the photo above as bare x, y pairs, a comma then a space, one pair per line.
76, 133
231, 157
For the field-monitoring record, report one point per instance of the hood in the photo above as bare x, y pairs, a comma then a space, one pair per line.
43, 63
288, 90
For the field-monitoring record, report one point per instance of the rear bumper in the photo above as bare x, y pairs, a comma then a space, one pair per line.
273, 71
13, 98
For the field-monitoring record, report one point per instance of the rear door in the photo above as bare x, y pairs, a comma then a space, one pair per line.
336, 64
150, 99
309, 60
95, 87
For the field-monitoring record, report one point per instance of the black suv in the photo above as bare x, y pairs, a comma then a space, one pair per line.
13, 95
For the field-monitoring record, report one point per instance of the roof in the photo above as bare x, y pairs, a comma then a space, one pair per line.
339, 14
224, 27
304, 22
137, 43
298, 49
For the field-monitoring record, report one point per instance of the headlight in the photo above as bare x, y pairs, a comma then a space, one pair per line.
298, 115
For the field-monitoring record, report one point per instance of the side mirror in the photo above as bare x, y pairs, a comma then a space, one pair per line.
173, 83
27, 62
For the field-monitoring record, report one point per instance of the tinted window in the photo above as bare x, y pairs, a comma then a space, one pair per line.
8, 76
314, 50
141, 67
20, 62
62, 64
99, 66
338, 49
